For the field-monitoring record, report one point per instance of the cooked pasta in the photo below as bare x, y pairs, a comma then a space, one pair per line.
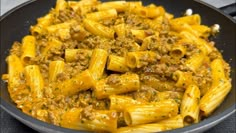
117, 66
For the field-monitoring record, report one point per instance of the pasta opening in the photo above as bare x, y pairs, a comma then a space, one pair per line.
127, 118
197, 19
143, 13
26, 59
176, 53
111, 100
108, 62
132, 61
35, 33
188, 119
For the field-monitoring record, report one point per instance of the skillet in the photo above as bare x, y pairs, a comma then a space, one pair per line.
15, 24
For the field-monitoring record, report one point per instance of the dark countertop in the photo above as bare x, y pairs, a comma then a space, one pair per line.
10, 125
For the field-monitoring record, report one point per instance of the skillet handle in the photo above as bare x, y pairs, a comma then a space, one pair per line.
229, 9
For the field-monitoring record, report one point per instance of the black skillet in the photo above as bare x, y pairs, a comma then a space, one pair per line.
15, 24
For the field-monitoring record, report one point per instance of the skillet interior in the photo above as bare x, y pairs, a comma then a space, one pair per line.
15, 25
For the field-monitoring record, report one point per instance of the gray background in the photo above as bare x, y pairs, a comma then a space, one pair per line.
11, 125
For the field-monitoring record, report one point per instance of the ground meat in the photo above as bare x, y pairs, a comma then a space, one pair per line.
155, 74
135, 21
67, 14
92, 41
165, 27
108, 22
69, 44
203, 75
121, 46
227, 69
78, 33
72, 69
145, 94
87, 113
61, 77
119, 19
150, 42
214, 55
54, 117
82, 59
161, 69
158, 83
44, 67
160, 45
113, 79
16, 49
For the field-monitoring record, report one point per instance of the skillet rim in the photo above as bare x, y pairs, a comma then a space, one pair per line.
37, 124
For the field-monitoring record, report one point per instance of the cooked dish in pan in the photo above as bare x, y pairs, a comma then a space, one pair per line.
117, 67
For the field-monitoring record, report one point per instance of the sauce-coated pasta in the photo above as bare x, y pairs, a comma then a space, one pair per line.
117, 67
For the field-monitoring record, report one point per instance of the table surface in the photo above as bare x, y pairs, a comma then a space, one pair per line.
10, 125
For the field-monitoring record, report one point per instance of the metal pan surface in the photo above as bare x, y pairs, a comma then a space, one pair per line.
15, 24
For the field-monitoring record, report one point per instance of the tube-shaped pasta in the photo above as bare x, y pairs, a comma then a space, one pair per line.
173, 122
140, 58
203, 31
184, 79
115, 84
135, 47
60, 5
131, 6
159, 85
55, 67
120, 6
52, 43
144, 128
15, 70
102, 15
82, 5
102, 120
148, 12
120, 30
34, 80
200, 43
28, 48
82, 81
155, 23
178, 51
97, 63
194, 19
152, 112
184, 27
153, 12
214, 97
169, 16
218, 91
56, 27
79, 33
139, 34
119, 103
98, 29
117, 64
195, 60
148, 42
72, 54
217, 71
73, 5
190, 104
43, 22
64, 34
